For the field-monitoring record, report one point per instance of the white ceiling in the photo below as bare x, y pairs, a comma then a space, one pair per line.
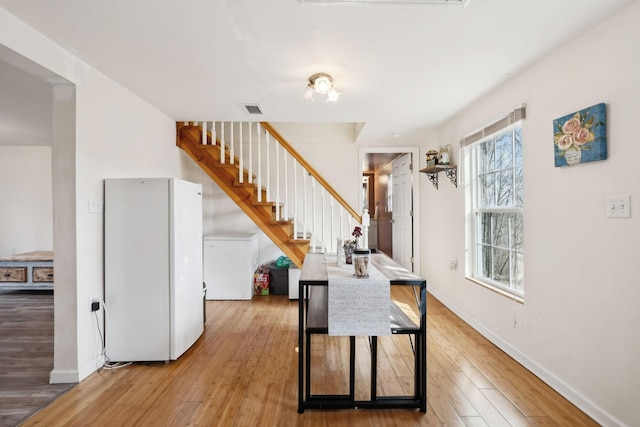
402, 68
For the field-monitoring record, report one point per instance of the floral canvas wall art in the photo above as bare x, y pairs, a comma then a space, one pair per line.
580, 137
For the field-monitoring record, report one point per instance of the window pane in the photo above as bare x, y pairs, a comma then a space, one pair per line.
487, 190
518, 190
484, 226
486, 157
504, 188
504, 151
518, 275
517, 232
500, 230
501, 266
517, 153
484, 261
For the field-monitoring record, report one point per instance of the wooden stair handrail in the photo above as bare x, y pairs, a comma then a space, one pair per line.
311, 171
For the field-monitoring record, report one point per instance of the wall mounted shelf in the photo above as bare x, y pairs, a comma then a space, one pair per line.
451, 171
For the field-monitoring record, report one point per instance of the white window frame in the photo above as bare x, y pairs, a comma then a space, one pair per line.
469, 165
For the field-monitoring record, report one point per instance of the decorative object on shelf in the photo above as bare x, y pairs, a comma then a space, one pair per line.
444, 157
450, 171
580, 137
321, 83
432, 158
361, 262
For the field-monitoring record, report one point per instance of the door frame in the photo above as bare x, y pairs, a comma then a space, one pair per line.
415, 191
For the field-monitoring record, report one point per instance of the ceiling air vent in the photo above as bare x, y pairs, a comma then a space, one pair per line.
253, 108
404, 2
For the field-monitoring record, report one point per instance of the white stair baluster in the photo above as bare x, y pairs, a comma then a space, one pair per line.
213, 133
231, 145
313, 212
259, 147
285, 207
295, 199
240, 161
322, 208
268, 155
277, 144
250, 154
331, 225
204, 133
222, 143
341, 223
304, 204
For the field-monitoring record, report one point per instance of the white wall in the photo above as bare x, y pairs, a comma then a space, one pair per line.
26, 216
578, 327
113, 134
331, 151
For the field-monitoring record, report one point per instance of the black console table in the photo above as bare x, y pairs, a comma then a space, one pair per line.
313, 319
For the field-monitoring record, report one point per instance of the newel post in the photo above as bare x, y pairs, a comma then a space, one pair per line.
365, 228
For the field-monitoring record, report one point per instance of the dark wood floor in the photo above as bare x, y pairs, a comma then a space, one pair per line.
243, 372
26, 354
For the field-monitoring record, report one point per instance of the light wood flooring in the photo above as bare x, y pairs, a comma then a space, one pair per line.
26, 354
243, 372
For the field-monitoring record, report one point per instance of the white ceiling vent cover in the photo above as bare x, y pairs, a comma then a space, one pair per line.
461, 3
253, 108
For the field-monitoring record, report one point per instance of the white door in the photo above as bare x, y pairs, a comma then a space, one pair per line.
402, 211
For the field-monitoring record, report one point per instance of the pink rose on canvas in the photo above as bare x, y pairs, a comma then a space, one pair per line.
565, 141
571, 125
582, 136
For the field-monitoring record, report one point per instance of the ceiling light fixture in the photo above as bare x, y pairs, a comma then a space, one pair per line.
321, 83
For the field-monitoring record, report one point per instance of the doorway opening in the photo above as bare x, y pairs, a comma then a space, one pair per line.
383, 194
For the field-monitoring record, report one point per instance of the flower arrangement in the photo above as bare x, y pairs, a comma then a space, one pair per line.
356, 233
578, 132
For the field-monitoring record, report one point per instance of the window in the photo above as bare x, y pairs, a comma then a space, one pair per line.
494, 173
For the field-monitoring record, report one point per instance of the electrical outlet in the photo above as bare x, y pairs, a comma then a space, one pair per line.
94, 303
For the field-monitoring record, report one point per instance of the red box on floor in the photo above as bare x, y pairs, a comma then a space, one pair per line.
261, 281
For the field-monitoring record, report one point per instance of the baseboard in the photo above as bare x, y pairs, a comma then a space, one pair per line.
64, 376
89, 368
584, 404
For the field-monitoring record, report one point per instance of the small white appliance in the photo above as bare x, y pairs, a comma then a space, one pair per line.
230, 261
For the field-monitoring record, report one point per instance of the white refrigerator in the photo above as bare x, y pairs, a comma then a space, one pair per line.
153, 268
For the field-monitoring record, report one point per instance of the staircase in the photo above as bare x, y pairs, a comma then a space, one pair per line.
294, 223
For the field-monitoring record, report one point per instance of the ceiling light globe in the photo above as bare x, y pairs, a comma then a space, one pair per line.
308, 94
333, 95
322, 84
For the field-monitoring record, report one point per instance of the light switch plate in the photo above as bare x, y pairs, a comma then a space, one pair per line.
95, 206
619, 206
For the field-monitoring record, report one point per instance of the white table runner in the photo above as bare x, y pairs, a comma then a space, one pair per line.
357, 306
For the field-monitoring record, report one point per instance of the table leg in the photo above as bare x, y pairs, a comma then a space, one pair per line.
374, 367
